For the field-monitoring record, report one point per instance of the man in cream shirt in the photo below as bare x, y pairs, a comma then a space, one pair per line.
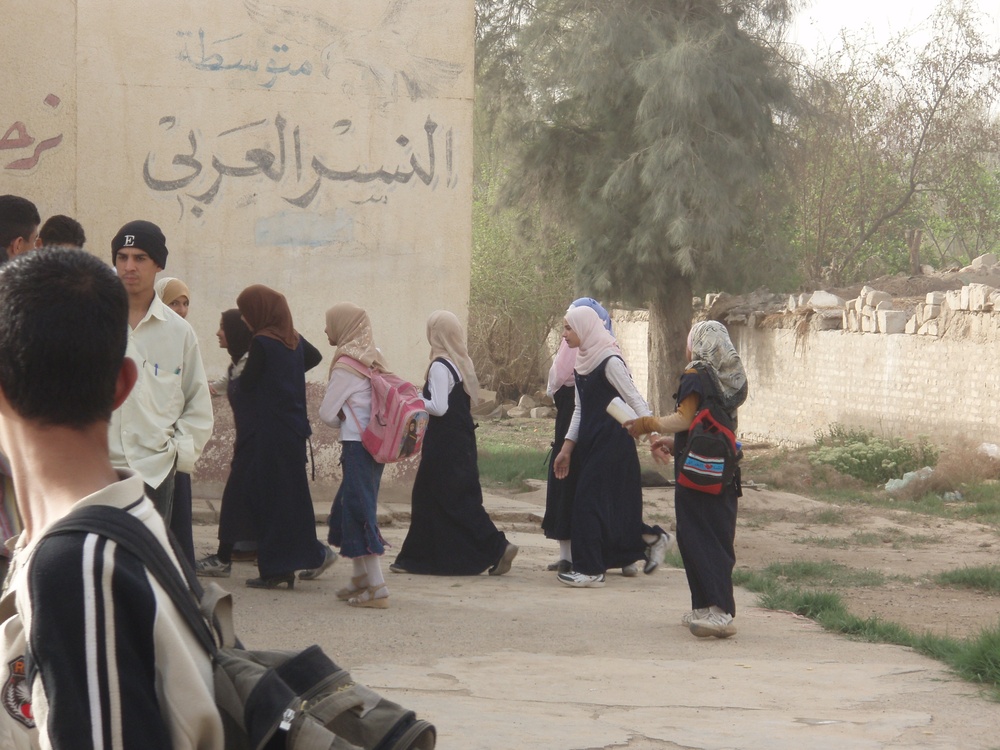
165, 422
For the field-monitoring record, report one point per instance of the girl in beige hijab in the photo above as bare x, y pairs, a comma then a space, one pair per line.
347, 405
450, 531
174, 293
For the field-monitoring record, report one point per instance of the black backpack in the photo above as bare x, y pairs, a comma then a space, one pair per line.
268, 700
709, 460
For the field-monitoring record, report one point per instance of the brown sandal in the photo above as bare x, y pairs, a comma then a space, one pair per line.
358, 584
368, 598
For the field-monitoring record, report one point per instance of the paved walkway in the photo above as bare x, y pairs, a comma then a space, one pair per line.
519, 661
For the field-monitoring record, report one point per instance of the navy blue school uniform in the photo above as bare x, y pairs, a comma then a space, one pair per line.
607, 525
236, 517
271, 433
706, 527
451, 534
559, 493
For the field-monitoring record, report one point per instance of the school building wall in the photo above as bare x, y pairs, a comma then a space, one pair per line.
321, 147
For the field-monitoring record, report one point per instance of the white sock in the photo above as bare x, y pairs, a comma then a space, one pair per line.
359, 568
565, 550
373, 565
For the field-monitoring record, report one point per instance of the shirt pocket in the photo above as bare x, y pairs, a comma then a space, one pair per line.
160, 398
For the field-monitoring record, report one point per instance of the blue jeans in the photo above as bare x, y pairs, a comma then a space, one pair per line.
353, 521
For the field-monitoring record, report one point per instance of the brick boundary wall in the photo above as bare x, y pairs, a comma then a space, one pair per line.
946, 388
894, 385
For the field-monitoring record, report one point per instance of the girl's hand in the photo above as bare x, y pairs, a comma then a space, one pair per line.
664, 444
560, 467
660, 455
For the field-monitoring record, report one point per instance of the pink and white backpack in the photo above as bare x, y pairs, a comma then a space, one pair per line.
398, 421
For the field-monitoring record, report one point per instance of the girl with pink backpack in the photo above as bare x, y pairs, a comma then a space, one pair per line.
347, 405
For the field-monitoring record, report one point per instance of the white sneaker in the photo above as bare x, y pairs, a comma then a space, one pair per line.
631, 570
581, 581
657, 551
714, 624
694, 614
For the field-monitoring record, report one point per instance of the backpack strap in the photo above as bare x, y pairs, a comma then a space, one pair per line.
123, 528
451, 369
358, 367
709, 390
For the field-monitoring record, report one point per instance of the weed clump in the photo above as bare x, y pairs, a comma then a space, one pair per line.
873, 460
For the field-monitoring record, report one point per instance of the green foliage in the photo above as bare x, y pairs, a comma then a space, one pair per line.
646, 127
522, 280
651, 125
871, 459
896, 137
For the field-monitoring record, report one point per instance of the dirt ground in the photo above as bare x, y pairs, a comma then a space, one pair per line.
907, 548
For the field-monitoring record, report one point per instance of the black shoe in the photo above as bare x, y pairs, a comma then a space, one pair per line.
272, 582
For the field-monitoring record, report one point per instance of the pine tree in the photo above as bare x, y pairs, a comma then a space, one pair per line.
646, 125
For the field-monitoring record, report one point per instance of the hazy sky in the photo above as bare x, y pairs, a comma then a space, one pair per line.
819, 24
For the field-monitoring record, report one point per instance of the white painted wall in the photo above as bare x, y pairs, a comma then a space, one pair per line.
321, 147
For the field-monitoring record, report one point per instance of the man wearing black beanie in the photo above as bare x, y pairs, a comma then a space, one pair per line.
165, 422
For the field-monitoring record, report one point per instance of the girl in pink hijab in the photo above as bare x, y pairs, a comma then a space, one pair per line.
607, 530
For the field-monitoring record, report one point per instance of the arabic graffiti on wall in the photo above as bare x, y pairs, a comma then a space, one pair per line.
297, 182
214, 61
380, 57
18, 137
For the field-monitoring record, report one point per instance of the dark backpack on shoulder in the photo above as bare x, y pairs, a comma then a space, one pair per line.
709, 460
268, 700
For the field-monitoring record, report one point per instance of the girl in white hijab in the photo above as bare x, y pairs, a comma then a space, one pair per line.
450, 531
607, 529
706, 524
559, 492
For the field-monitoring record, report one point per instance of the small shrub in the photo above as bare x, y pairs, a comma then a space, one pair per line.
872, 459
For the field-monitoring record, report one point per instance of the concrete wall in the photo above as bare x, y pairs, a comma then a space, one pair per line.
631, 328
322, 147
902, 385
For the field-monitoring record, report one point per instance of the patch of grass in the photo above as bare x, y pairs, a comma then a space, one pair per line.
895, 537
827, 542
513, 450
829, 517
825, 573
976, 660
983, 578
509, 466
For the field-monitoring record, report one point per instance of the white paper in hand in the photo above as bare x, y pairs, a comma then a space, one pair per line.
620, 410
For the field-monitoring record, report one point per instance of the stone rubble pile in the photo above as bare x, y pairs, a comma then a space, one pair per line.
539, 406
872, 310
